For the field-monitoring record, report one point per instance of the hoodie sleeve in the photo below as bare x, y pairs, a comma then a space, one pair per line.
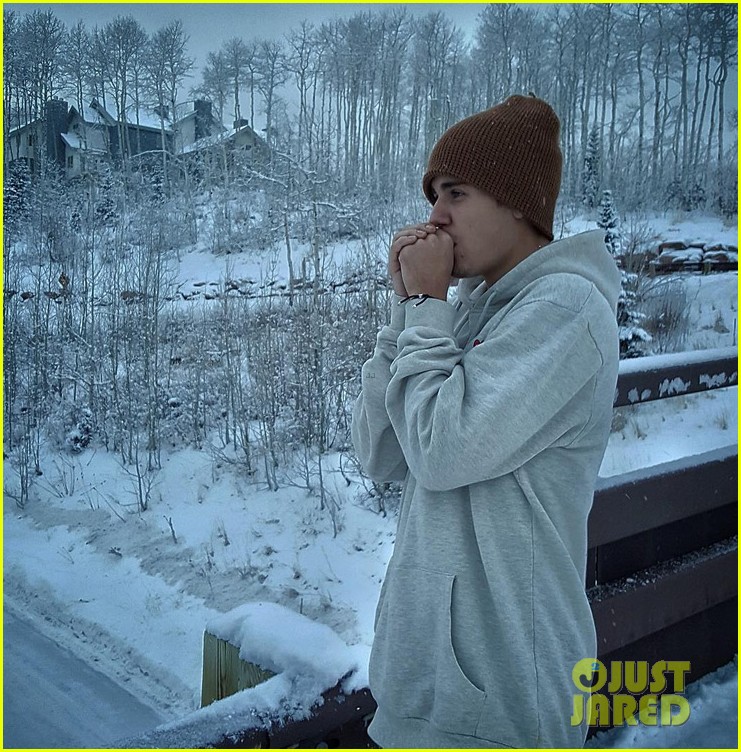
465, 418
373, 436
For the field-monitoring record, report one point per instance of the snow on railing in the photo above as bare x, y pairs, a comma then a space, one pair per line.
658, 376
302, 660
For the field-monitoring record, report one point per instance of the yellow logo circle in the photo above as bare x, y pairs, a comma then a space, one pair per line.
589, 675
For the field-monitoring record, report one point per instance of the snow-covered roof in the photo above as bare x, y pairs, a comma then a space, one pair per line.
94, 113
72, 140
147, 119
75, 142
97, 113
217, 138
89, 115
206, 141
25, 125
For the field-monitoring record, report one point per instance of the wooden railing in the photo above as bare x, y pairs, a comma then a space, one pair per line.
661, 574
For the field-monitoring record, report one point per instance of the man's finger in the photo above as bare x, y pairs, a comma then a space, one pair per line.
421, 230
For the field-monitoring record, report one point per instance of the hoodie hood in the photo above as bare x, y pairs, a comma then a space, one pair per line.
584, 255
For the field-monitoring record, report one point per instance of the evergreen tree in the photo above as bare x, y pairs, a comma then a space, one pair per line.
105, 206
16, 194
609, 222
592, 168
632, 335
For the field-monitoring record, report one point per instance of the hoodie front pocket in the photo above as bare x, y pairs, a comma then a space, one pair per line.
414, 672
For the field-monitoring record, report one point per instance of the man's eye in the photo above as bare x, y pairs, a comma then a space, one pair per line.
455, 194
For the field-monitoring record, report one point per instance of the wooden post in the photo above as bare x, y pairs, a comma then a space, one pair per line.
224, 672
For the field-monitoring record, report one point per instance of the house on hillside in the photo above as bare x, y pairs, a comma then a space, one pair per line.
218, 150
23, 144
77, 140
80, 141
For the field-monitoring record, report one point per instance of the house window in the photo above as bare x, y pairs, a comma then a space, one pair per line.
30, 139
70, 162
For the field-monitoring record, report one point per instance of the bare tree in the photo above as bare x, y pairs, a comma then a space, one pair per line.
302, 62
725, 18
397, 32
43, 40
239, 57
637, 17
118, 47
76, 61
168, 65
33, 46
12, 75
215, 82
272, 74
437, 47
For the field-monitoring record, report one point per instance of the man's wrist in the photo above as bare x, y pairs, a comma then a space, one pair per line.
439, 314
439, 294
418, 299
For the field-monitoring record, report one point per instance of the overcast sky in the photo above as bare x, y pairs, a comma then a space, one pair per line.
210, 24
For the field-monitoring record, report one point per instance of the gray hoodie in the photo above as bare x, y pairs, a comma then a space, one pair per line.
496, 413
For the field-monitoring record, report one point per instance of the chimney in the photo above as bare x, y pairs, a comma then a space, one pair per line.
204, 118
56, 124
162, 111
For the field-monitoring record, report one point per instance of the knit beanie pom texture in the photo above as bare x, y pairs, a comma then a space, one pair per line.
510, 151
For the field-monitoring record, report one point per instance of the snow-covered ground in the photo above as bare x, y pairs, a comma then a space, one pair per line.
713, 721
133, 592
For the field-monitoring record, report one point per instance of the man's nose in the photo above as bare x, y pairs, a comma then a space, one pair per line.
439, 216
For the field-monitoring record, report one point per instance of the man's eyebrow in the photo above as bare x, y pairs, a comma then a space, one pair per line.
447, 185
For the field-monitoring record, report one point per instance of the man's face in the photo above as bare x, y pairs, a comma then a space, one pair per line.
484, 232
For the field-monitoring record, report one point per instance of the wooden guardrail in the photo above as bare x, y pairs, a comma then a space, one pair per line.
661, 569
662, 572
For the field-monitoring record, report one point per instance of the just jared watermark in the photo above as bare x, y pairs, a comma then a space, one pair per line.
635, 691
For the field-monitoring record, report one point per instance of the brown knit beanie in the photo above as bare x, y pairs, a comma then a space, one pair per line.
510, 151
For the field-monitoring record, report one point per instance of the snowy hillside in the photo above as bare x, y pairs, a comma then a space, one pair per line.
131, 589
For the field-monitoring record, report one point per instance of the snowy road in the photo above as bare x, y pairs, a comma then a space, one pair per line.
52, 699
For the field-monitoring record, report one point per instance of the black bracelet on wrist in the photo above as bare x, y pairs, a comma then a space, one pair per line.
420, 298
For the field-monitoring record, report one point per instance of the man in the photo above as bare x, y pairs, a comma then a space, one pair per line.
495, 412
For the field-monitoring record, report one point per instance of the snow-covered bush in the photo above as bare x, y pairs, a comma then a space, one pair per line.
81, 434
665, 307
638, 247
